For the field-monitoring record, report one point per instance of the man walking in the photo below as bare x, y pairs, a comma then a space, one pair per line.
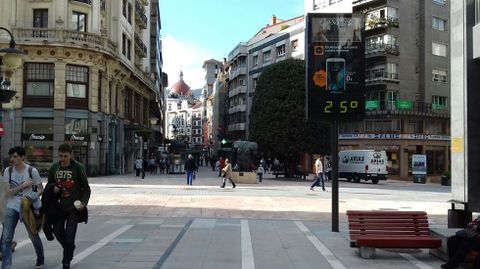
318, 174
70, 183
23, 181
190, 167
138, 166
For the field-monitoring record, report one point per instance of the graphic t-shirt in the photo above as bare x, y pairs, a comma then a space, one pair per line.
18, 177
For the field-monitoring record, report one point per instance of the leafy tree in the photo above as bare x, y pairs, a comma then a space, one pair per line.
277, 118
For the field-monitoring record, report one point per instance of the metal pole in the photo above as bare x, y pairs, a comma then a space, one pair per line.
334, 138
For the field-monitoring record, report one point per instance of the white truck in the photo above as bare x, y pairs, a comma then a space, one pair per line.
362, 164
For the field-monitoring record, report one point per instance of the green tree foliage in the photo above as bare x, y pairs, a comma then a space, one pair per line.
277, 118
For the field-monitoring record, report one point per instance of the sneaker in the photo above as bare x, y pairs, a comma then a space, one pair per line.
311, 188
14, 245
39, 265
66, 266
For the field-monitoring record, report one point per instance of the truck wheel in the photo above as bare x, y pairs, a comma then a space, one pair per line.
375, 181
349, 179
356, 179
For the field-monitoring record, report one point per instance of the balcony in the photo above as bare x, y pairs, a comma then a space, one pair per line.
380, 23
140, 17
236, 127
88, 2
237, 90
376, 77
140, 46
376, 50
406, 108
237, 108
238, 70
46, 36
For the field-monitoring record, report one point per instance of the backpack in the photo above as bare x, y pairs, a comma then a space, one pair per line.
33, 222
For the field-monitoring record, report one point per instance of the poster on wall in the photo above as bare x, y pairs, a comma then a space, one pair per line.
335, 66
419, 164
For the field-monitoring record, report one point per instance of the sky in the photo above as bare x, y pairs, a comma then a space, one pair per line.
197, 30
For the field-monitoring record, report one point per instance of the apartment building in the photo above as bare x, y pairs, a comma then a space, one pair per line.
279, 40
407, 84
213, 72
91, 77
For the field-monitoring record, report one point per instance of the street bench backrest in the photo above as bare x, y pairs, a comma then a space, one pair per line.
387, 223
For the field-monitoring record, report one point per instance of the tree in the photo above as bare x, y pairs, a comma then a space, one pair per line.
277, 117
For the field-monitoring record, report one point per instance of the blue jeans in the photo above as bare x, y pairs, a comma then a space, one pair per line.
189, 177
318, 180
9, 225
65, 230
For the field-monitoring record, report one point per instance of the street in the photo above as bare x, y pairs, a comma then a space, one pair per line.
160, 222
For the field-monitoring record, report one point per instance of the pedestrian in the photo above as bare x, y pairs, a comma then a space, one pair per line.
152, 165
276, 165
260, 172
328, 169
144, 166
227, 173
23, 181
138, 166
461, 243
221, 165
70, 183
190, 167
318, 174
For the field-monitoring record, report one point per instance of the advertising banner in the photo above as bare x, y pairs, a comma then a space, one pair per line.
335, 66
419, 164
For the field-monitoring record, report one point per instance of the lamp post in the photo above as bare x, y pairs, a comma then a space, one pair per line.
11, 59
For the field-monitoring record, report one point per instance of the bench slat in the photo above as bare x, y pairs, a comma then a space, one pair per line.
383, 213
406, 242
389, 233
388, 224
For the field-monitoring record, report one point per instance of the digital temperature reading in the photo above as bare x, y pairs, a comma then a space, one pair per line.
335, 67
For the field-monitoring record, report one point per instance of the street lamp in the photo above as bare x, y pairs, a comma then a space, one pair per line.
12, 59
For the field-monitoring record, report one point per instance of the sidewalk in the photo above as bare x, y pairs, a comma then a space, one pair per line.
160, 222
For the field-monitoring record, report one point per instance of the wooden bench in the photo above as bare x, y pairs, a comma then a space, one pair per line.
389, 229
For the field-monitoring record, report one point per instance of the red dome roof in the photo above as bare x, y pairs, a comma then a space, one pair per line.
180, 87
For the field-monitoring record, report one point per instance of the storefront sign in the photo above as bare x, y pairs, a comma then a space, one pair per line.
394, 136
371, 105
73, 137
404, 104
37, 137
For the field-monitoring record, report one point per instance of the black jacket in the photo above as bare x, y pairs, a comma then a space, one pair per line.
190, 165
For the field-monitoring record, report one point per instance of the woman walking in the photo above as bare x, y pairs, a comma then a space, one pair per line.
227, 173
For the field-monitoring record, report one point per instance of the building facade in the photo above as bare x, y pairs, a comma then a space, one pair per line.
279, 40
407, 84
89, 79
213, 70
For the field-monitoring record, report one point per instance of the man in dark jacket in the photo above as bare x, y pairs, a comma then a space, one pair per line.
190, 167
70, 183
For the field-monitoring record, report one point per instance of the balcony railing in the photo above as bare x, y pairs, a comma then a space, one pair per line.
412, 108
140, 46
381, 49
66, 37
381, 22
380, 77
140, 16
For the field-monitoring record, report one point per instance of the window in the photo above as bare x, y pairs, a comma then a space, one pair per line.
439, 24
266, 57
79, 21
383, 126
129, 15
439, 49
129, 50
255, 60
39, 79
440, 2
477, 11
124, 8
40, 18
37, 126
77, 81
294, 44
439, 101
281, 51
255, 80
124, 44
439, 75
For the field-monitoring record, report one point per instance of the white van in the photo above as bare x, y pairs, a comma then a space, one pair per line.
362, 164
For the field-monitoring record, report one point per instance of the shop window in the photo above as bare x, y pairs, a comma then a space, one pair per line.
37, 126
76, 126
39, 79
40, 155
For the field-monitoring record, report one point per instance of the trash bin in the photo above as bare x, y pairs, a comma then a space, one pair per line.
444, 180
419, 179
458, 218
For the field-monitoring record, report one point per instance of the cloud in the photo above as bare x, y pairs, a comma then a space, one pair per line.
188, 57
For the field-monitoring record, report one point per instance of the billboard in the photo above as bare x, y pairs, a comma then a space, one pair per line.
335, 66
